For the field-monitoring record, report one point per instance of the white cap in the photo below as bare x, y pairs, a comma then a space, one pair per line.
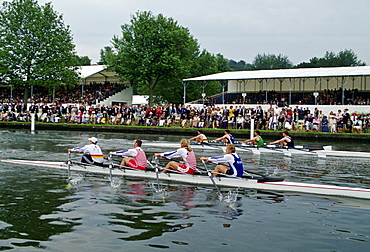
93, 139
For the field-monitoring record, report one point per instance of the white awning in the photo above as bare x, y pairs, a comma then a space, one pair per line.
287, 73
97, 73
87, 71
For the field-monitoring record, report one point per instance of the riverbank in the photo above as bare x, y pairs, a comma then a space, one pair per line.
238, 134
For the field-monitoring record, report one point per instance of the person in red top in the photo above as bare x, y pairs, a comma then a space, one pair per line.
134, 158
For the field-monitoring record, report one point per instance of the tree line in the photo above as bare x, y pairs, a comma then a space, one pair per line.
153, 52
264, 61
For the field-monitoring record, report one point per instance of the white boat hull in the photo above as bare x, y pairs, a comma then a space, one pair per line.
205, 180
353, 154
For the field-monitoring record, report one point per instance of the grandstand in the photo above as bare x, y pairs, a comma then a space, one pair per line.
331, 85
98, 86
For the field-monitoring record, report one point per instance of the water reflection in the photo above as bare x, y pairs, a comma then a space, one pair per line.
140, 219
26, 198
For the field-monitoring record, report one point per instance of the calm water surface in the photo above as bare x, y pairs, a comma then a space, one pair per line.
38, 211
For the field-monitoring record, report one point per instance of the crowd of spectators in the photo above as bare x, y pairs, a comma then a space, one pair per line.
88, 94
325, 97
59, 108
296, 118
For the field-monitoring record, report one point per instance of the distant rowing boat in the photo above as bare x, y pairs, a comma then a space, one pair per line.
256, 183
267, 149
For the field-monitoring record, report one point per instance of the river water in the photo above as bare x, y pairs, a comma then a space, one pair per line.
40, 210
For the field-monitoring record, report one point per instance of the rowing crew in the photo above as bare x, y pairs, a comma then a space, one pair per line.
227, 138
257, 140
136, 158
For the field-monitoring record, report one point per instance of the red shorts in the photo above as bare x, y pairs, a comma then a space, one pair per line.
132, 164
183, 169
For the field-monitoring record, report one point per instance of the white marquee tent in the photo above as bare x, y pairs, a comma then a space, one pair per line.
292, 80
287, 73
97, 73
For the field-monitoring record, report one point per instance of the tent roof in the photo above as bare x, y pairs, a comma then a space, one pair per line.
100, 70
286, 73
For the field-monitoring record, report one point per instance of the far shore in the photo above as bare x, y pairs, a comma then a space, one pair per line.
238, 134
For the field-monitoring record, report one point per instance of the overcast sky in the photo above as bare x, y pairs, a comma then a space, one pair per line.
238, 29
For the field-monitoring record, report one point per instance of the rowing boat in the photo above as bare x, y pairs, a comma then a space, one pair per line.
204, 146
350, 154
215, 146
326, 151
282, 186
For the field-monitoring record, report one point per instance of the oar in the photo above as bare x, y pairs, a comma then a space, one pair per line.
69, 165
203, 144
117, 160
179, 161
287, 152
69, 170
253, 148
110, 167
249, 173
210, 175
156, 169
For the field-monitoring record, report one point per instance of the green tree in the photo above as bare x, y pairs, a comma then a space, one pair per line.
271, 61
171, 90
349, 58
238, 66
83, 60
205, 64
346, 57
154, 50
222, 63
105, 55
36, 47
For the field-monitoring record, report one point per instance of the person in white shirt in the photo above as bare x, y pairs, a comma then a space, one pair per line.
92, 153
187, 155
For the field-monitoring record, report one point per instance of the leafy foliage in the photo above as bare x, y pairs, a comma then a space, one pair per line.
105, 55
156, 53
83, 60
36, 47
271, 61
241, 65
344, 58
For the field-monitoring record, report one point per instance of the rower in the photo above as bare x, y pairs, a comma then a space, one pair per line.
234, 166
92, 153
134, 158
200, 138
256, 140
185, 153
287, 140
227, 138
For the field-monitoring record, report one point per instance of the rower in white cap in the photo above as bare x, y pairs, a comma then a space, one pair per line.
92, 153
